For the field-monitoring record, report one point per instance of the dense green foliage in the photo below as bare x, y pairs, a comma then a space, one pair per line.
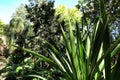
55, 43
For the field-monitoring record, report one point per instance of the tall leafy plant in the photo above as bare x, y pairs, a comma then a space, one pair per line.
88, 55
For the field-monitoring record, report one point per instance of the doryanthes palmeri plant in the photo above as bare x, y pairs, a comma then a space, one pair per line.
88, 55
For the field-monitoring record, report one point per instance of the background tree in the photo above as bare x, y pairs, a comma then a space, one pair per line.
18, 31
31, 34
3, 48
45, 25
91, 10
3, 38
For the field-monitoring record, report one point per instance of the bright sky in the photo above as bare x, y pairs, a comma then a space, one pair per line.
8, 7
